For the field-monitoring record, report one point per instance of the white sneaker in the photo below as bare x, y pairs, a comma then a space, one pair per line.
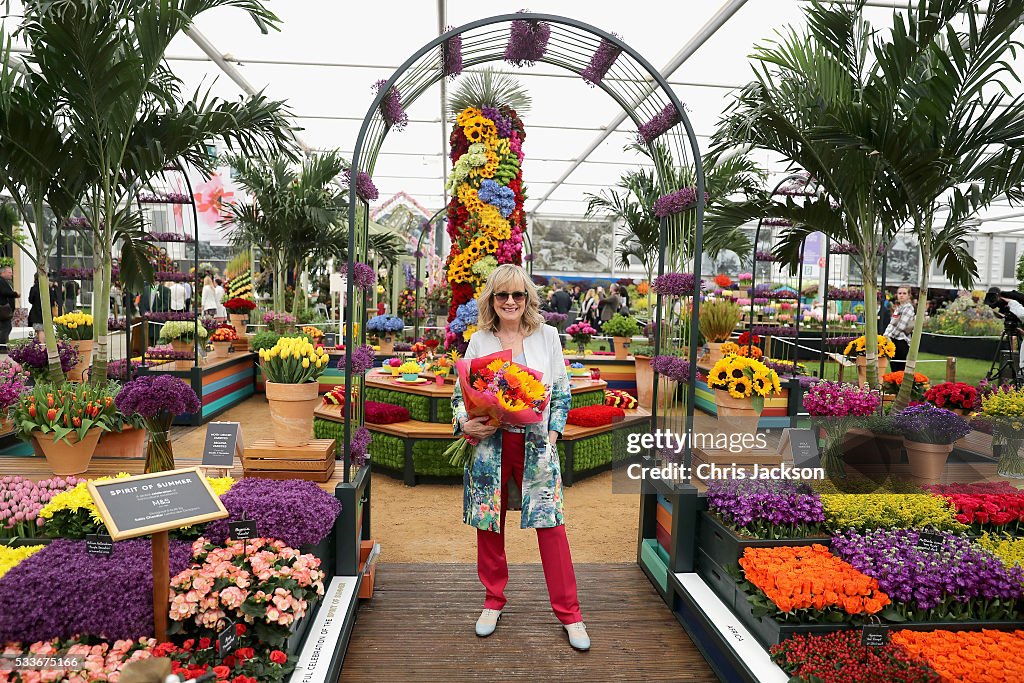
578, 637
487, 622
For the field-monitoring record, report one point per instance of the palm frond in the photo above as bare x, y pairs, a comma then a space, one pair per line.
488, 88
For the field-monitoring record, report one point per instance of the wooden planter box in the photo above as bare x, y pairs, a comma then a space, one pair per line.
724, 547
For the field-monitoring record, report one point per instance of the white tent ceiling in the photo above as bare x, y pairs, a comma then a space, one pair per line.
327, 56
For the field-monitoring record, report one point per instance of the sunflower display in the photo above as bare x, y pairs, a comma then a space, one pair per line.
744, 377
858, 347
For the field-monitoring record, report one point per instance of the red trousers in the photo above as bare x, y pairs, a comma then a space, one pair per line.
554, 546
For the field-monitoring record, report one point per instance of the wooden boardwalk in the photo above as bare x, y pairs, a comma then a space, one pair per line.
419, 627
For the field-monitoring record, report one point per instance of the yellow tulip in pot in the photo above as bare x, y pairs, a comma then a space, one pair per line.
77, 327
292, 368
928, 436
66, 422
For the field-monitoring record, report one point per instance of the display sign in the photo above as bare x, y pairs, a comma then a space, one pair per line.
227, 640
801, 445
929, 542
223, 442
874, 635
148, 503
243, 530
99, 544
330, 340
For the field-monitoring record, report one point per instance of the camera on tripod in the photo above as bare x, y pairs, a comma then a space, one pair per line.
1006, 368
999, 301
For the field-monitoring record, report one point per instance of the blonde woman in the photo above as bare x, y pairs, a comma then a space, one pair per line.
510, 319
588, 307
901, 327
209, 297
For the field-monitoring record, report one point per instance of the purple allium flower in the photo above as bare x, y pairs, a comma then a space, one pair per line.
391, 107
675, 202
527, 42
359, 446
673, 367
365, 189
363, 275
169, 316
109, 598
295, 511
674, 284
668, 117
451, 55
767, 508
157, 399
553, 318
362, 359
602, 60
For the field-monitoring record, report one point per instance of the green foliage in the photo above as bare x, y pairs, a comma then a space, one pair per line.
587, 398
718, 319
263, 340
488, 88
621, 326
965, 317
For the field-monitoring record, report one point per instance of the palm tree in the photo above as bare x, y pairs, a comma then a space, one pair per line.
119, 109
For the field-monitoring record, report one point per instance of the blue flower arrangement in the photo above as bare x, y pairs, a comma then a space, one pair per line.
385, 323
498, 196
465, 316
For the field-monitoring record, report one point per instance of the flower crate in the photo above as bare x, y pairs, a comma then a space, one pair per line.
725, 547
718, 579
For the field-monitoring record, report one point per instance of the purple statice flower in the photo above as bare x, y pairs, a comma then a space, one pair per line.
109, 598
295, 511
767, 508
602, 60
169, 316
774, 330
365, 189
503, 124
959, 572
674, 284
675, 202
673, 367
926, 423
668, 117
837, 399
31, 356
359, 446
451, 55
765, 256
391, 107
157, 399
527, 42
363, 275
362, 359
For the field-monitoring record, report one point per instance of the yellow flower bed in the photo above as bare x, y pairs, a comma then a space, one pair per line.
889, 511
12, 557
1008, 549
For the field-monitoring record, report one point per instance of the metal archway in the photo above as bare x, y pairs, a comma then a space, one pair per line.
428, 226
634, 84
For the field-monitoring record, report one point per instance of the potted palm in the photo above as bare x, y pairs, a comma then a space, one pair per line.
66, 422
621, 328
238, 313
717, 321
156, 400
928, 435
77, 327
292, 369
181, 334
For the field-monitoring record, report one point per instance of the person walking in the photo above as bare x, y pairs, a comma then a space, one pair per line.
71, 289
218, 289
900, 327
588, 307
8, 295
35, 311
510, 320
561, 302
209, 301
179, 298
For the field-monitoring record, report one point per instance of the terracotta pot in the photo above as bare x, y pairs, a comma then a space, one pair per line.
291, 412
220, 349
645, 384
84, 346
927, 460
729, 406
862, 368
68, 458
127, 443
713, 355
239, 321
6, 426
622, 347
859, 447
890, 448
183, 346
387, 345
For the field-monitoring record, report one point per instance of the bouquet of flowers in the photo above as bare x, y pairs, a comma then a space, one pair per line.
745, 377
31, 356
385, 325
77, 326
157, 399
314, 333
952, 395
239, 306
279, 321
858, 347
505, 392
224, 334
293, 360
580, 333
12, 384
892, 381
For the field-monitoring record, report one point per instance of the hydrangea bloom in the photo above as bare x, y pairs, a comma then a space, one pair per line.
502, 198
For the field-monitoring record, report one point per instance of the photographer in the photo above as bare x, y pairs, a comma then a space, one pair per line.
1010, 306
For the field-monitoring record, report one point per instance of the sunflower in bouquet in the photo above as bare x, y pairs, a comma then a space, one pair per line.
858, 347
745, 377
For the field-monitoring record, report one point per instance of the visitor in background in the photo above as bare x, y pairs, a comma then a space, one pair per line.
624, 297
577, 294
901, 327
188, 296
510, 320
115, 300
209, 300
884, 312
70, 296
7, 302
178, 296
610, 304
588, 307
35, 310
218, 289
56, 296
561, 302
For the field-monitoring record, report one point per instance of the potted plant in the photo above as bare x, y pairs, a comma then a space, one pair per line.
672, 371
156, 400
959, 397
1004, 410
181, 335
928, 436
279, 322
741, 385
836, 408
13, 382
410, 371
891, 385
30, 354
887, 437
621, 328
264, 340
292, 368
717, 320
222, 339
386, 327
857, 349
581, 334
66, 422
78, 328
238, 313
126, 438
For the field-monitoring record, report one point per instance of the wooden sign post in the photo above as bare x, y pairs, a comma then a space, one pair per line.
154, 504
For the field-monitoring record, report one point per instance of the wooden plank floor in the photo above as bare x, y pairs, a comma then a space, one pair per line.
419, 627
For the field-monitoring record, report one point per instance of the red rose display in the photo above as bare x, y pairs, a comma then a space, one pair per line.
953, 396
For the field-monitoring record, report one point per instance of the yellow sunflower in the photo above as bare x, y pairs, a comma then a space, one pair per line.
740, 388
762, 384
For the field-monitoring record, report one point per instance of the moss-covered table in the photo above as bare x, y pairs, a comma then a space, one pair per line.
413, 450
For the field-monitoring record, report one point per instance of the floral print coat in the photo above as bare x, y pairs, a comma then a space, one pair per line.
543, 505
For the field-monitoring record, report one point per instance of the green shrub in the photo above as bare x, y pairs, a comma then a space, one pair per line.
264, 340
620, 326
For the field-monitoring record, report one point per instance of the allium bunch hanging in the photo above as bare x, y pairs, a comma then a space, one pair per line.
672, 367
527, 42
362, 360
764, 256
363, 275
601, 61
451, 55
675, 202
674, 284
359, 446
365, 189
665, 119
391, 106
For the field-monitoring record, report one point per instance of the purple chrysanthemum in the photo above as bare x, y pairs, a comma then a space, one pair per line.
527, 42
451, 55
365, 189
391, 106
295, 511
668, 117
673, 367
359, 446
674, 284
602, 60
675, 202
363, 275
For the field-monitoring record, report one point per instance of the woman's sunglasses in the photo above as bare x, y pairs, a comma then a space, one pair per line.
504, 296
